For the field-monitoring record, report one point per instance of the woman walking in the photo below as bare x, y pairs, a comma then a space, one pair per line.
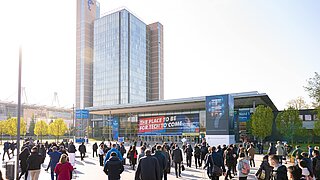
133, 156
63, 168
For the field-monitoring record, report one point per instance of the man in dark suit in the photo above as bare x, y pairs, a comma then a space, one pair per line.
148, 168
177, 159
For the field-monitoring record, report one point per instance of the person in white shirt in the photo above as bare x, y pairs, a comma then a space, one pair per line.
101, 154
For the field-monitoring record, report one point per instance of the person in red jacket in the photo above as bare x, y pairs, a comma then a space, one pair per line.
63, 168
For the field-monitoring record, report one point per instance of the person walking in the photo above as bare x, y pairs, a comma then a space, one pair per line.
177, 159
95, 149
243, 167
167, 161
264, 170
316, 164
296, 152
23, 162
280, 151
272, 149
214, 160
142, 154
279, 171
6, 147
148, 168
188, 151
122, 152
204, 152
42, 152
54, 159
101, 154
12, 147
113, 149
72, 153
133, 156
251, 151
229, 161
82, 149
161, 159
113, 167
63, 169
197, 154
34, 162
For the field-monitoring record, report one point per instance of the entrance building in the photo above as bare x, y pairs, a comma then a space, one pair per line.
188, 119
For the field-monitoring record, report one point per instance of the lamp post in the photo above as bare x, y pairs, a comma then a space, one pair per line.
19, 109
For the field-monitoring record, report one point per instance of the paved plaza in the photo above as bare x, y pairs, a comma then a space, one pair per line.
90, 169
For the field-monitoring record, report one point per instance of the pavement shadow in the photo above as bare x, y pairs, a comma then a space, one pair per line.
79, 162
88, 162
76, 172
189, 176
194, 170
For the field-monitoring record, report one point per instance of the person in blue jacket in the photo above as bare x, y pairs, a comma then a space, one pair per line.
54, 159
113, 149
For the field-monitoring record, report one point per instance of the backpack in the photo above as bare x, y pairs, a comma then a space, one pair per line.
245, 168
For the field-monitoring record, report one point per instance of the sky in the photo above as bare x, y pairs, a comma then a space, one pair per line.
211, 47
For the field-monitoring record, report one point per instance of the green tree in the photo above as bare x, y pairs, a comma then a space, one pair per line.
313, 88
57, 128
249, 126
316, 128
289, 124
41, 129
88, 131
262, 120
11, 126
31, 126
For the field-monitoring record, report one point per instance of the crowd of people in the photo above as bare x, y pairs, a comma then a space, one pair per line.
228, 161
33, 155
155, 162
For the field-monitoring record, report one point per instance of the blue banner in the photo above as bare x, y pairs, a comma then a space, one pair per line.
82, 114
115, 128
244, 115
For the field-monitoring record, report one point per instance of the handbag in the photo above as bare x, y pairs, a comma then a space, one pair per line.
262, 175
182, 167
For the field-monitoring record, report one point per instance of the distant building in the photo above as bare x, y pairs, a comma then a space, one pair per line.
87, 12
155, 64
35, 112
119, 58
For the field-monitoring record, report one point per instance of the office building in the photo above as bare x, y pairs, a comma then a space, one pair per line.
155, 70
87, 12
127, 60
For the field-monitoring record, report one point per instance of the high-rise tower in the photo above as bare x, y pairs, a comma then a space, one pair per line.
87, 12
119, 59
155, 66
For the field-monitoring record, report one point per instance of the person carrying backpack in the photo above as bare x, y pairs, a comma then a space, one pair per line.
243, 167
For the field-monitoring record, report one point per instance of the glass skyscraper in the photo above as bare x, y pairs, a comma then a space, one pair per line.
119, 58
122, 60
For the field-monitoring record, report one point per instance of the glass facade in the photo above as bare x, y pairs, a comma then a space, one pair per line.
129, 125
119, 61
